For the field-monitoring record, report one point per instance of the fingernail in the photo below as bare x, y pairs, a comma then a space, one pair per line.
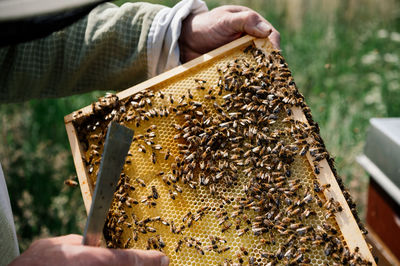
164, 261
263, 27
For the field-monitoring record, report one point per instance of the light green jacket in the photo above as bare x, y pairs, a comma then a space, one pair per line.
102, 51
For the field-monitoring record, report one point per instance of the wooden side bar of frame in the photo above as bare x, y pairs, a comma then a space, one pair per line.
345, 219
86, 186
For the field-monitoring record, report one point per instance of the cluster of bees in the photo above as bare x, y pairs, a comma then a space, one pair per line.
248, 134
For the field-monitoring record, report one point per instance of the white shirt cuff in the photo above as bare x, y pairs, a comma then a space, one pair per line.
162, 41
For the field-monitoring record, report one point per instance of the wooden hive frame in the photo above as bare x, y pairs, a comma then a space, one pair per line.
345, 220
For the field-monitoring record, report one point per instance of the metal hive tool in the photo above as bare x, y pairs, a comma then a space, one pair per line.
227, 166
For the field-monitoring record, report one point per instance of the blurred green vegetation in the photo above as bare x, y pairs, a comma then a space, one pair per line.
345, 58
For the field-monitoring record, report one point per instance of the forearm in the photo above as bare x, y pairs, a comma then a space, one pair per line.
105, 50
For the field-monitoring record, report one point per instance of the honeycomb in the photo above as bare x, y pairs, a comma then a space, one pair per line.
217, 173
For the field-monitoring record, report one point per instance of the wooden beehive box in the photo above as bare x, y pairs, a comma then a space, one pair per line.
226, 166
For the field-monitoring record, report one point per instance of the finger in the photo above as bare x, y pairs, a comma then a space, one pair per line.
233, 8
116, 257
249, 22
71, 239
275, 39
145, 258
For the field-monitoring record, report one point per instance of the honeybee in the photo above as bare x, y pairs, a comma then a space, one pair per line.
226, 227
157, 147
199, 250
172, 194
135, 235
243, 231
178, 246
142, 148
167, 154
224, 249
200, 81
70, 183
244, 251
178, 188
127, 243
166, 180
141, 182
160, 94
155, 192
161, 242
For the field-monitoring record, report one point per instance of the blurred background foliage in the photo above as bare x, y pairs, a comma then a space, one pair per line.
345, 58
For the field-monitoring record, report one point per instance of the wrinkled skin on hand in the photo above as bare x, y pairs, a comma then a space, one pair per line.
206, 31
68, 250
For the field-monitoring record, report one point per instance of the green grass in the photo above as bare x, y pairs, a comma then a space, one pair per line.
345, 60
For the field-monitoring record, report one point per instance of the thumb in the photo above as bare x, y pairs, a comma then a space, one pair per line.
251, 23
87, 255
139, 257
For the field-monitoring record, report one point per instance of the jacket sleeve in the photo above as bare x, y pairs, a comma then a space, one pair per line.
105, 50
